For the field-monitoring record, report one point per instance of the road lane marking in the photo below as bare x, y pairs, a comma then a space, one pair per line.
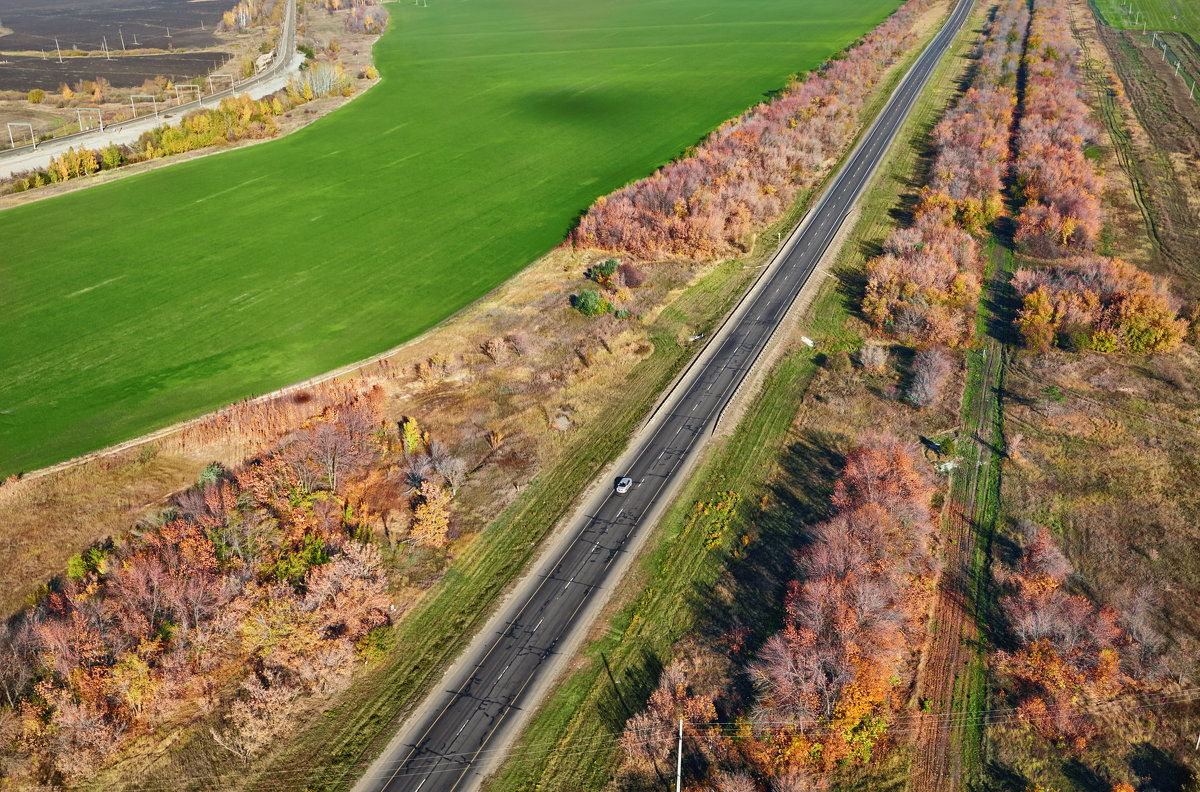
911, 86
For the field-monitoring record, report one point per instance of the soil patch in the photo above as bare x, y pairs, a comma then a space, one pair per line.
25, 72
84, 24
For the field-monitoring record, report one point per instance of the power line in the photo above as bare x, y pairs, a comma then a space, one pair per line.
532, 753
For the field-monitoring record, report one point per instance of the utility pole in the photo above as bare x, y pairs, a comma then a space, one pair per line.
58, 49
679, 759
122, 33
106, 55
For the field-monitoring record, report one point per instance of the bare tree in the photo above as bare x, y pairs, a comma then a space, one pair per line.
452, 469
873, 357
416, 471
931, 369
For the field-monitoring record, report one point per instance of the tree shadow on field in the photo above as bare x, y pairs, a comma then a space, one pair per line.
1001, 296
1160, 771
747, 606
1084, 777
627, 689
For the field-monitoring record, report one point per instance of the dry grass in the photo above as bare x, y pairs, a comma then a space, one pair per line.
574, 367
1106, 452
44, 524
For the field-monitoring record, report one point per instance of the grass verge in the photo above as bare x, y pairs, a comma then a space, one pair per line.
571, 742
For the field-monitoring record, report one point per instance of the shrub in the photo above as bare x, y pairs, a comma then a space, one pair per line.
631, 276
840, 362
37, 96
590, 303
602, 273
211, 474
375, 645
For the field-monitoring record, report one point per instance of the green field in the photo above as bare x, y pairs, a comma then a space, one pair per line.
1182, 16
138, 303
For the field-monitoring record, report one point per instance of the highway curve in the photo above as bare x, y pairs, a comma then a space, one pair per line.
450, 739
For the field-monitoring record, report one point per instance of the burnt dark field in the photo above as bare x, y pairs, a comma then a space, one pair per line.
85, 24
25, 72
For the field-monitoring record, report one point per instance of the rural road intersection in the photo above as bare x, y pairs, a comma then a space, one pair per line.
464, 727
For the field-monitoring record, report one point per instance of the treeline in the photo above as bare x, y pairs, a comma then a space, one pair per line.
1098, 303
824, 683
925, 287
235, 118
256, 589
1087, 302
1056, 183
369, 19
747, 172
248, 13
1069, 655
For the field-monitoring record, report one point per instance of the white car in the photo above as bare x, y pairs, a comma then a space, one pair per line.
623, 485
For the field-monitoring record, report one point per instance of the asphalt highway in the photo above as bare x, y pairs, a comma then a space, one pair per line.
461, 725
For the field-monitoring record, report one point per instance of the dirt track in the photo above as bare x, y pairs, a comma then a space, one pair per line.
945, 686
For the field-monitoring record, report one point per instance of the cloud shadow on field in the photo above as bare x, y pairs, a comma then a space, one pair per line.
574, 106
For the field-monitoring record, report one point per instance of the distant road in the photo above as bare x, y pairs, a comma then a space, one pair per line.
441, 747
271, 79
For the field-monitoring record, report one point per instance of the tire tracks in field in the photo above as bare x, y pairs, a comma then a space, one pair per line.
953, 669
955, 657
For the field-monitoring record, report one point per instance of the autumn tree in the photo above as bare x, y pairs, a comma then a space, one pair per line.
1067, 649
411, 437
1098, 303
747, 172
431, 516
848, 617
